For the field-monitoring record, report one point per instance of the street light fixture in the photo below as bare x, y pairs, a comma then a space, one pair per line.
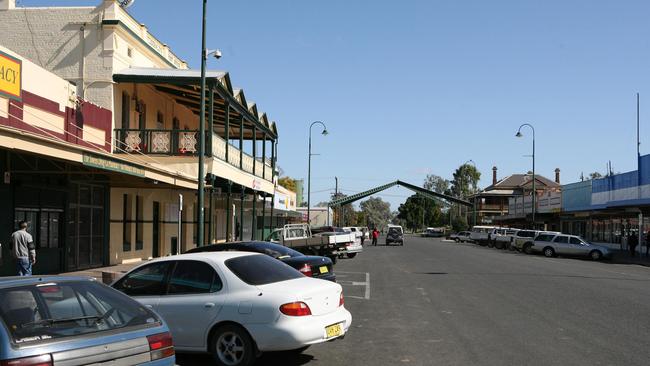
324, 133
519, 134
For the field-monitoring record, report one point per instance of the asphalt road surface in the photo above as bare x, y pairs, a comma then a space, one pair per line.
433, 302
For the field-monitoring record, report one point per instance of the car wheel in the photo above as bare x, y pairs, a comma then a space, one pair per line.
352, 255
528, 249
490, 244
549, 252
334, 258
401, 243
232, 346
596, 255
457, 240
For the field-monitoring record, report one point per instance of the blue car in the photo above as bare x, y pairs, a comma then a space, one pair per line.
51, 320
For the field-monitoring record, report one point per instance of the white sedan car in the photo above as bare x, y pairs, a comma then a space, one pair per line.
237, 305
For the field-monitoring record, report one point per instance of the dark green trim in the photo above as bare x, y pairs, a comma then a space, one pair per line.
425, 192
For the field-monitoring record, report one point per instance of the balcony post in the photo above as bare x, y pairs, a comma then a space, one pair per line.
241, 213
272, 209
263, 214
227, 132
228, 213
210, 221
254, 150
273, 146
209, 151
241, 143
254, 217
264, 156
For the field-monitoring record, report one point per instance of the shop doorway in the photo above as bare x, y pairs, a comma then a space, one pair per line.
85, 226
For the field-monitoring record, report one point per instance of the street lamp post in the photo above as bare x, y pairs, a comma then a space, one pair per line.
201, 176
309, 168
519, 134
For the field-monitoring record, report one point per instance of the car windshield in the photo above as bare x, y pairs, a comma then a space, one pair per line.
260, 270
274, 250
58, 310
526, 234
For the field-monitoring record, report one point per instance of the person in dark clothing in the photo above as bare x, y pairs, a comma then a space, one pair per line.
633, 241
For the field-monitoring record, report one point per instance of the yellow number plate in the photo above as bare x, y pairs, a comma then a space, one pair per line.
334, 330
324, 270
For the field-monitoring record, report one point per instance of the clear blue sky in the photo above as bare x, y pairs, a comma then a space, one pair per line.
414, 87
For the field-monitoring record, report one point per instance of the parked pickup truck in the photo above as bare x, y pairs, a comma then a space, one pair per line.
299, 237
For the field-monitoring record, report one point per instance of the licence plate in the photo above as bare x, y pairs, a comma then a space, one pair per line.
323, 270
333, 330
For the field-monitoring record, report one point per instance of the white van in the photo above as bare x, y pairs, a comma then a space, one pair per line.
479, 234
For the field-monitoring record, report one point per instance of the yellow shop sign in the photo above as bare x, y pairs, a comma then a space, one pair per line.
10, 76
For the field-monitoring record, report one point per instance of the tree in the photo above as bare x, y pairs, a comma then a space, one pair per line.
344, 215
377, 212
436, 183
595, 175
419, 211
288, 183
465, 181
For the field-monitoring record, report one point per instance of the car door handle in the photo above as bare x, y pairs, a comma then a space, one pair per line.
209, 305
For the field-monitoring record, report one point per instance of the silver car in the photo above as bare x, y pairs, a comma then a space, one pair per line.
570, 245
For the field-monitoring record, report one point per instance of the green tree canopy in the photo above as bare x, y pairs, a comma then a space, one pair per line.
377, 212
288, 183
419, 212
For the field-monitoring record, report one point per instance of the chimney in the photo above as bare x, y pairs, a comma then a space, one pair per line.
494, 175
7, 4
557, 175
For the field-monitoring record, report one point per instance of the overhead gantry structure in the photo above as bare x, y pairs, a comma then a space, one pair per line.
422, 191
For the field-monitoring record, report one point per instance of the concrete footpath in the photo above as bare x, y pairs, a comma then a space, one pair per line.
106, 274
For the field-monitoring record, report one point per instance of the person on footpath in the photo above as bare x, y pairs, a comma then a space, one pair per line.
23, 250
632, 242
375, 236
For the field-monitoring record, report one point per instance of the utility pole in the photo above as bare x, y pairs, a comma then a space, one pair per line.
336, 195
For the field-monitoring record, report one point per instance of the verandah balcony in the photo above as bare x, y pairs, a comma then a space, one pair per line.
185, 143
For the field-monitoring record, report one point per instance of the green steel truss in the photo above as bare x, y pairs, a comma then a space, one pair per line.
424, 192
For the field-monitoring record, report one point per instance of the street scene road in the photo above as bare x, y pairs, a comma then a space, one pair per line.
435, 302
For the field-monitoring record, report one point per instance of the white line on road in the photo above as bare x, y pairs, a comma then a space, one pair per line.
357, 283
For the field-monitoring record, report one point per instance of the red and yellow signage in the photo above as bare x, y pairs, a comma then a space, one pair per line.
10, 76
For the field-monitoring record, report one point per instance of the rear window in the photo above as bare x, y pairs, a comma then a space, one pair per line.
544, 237
526, 234
259, 270
275, 251
57, 310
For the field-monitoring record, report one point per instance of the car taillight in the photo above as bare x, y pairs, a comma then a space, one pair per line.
306, 270
161, 346
295, 309
342, 300
42, 360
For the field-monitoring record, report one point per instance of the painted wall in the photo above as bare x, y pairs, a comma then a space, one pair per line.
576, 196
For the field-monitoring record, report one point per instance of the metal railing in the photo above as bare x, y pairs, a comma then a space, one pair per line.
185, 143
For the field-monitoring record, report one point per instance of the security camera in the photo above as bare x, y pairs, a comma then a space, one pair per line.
217, 54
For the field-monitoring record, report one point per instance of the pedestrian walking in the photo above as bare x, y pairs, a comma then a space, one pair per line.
23, 250
363, 236
375, 236
633, 241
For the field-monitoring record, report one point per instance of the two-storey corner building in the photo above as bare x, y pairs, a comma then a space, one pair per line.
508, 201
149, 135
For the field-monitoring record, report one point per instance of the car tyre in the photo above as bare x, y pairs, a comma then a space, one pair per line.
596, 255
401, 243
232, 346
549, 252
352, 255
457, 240
528, 249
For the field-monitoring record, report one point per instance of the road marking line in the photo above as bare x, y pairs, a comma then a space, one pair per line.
367, 286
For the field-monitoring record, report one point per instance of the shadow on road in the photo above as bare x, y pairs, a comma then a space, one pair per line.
267, 359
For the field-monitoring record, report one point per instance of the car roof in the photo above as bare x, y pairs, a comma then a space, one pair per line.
212, 256
15, 281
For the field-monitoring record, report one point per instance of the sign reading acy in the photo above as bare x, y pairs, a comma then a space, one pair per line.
10, 76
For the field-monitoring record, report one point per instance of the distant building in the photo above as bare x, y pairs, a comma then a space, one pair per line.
320, 216
510, 198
